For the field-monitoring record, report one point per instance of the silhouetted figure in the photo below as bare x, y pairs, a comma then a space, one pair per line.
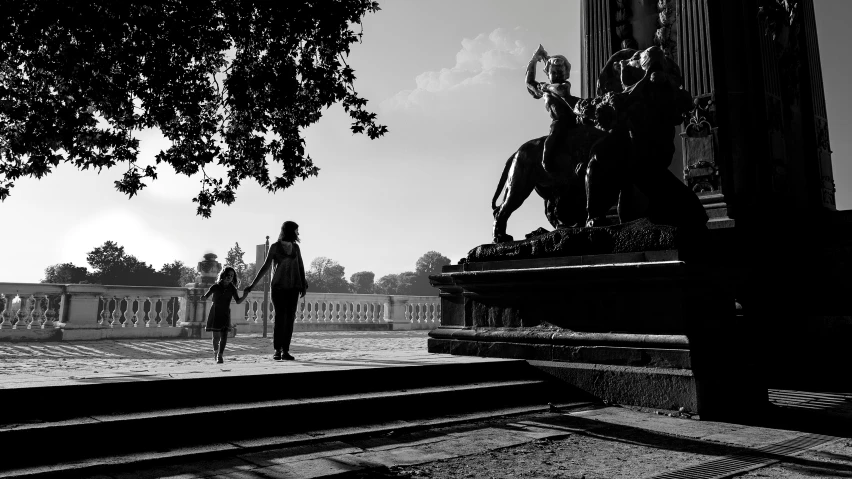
219, 318
288, 284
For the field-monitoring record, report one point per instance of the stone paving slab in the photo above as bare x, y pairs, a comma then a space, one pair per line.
726, 433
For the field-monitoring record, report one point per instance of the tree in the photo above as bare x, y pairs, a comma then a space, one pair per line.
387, 284
362, 282
326, 276
177, 274
112, 265
65, 273
406, 280
234, 258
225, 81
429, 263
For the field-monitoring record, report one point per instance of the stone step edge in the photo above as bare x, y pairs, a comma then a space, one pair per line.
99, 465
277, 403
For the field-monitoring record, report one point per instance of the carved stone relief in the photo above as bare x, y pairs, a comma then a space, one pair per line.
700, 148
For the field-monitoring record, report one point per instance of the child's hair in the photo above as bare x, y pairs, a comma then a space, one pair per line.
224, 271
288, 232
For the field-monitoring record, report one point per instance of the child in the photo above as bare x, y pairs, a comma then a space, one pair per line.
219, 318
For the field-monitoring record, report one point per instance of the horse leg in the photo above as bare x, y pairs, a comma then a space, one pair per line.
519, 184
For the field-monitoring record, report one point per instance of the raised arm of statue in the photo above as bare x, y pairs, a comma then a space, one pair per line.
533, 86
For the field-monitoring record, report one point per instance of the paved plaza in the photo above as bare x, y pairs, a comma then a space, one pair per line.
26, 364
581, 440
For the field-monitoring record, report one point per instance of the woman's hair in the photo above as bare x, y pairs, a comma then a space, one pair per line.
235, 282
288, 232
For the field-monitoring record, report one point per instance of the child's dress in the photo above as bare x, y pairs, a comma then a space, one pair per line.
219, 317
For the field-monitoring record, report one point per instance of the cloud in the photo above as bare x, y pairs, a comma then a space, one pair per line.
480, 63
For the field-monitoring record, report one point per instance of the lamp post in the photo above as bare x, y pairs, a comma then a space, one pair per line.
266, 285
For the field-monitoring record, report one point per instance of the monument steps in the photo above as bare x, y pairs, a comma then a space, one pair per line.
108, 433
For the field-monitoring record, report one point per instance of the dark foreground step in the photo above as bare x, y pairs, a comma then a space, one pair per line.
99, 465
143, 394
97, 439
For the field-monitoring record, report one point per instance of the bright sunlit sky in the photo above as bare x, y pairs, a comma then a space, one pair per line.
447, 78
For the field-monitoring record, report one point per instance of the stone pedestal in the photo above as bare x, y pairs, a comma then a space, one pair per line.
643, 328
196, 307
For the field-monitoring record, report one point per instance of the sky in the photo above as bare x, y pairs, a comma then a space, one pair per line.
447, 78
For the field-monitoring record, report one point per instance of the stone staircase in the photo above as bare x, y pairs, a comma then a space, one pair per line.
87, 429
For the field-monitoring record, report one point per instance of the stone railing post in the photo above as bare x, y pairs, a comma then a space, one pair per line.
82, 304
196, 306
395, 313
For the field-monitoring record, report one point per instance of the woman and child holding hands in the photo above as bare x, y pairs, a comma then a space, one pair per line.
288, 284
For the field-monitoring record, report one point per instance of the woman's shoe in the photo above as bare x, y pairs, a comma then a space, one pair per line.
277, 355
219, 359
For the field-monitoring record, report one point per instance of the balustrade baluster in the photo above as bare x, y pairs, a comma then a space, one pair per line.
123, 312
111, 314
135, 320
158, 318
23, 314
170, 309
46, 316
335, 311
250, 311
36, 314
177, 312
102, 307
146, 315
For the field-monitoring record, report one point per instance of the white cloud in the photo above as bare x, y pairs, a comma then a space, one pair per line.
478, 64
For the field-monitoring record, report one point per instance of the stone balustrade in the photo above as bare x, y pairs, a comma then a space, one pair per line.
345, 310
38, 311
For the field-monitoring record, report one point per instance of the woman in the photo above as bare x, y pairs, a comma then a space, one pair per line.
288, 284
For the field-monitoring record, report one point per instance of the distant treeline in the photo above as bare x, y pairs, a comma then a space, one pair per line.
110, 264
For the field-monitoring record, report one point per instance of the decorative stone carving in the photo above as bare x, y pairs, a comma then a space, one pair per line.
778, 14
665, 36
700, 149
208, 269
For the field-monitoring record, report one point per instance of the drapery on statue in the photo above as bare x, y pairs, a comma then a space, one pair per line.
599, 148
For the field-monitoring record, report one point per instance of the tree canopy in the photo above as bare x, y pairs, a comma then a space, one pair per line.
326, 276
225, 81
245, 271
111, 265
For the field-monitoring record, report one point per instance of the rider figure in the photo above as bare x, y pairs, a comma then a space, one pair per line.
557, 100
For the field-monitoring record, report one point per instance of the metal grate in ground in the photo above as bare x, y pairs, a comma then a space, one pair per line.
739, 463
833, 402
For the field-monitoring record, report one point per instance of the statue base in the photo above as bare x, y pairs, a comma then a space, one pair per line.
639, 328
